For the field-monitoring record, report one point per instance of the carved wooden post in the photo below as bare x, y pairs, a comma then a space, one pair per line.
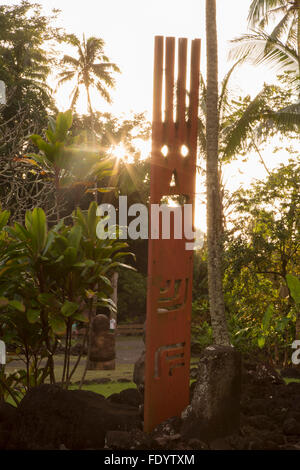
170, 265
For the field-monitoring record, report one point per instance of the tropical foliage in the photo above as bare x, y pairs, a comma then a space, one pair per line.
51, 279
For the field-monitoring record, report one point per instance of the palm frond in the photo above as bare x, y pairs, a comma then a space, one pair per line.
103, 92
73, 40
260, 47
65, 77
202, 135
69, 60
107, 66
105, 77
75, 95
223, 98
284, 25
259, 8
285, 120
94, 49
237, 133
271, 15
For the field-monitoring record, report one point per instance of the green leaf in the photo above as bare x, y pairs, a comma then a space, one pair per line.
49, 240
45, 299
39, 227
267, 317
80, 317
36, 225
75, 236
17, 305
119, 265
90, 293
63, 124
32, 315
4, 216
294, 286
261, 341
57, 324
69, 308
70, 255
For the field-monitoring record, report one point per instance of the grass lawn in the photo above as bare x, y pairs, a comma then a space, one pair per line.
106, 389
288, 380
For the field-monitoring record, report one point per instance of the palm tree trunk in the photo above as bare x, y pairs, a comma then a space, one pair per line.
90, 107
298, 31
214, 238
92, 130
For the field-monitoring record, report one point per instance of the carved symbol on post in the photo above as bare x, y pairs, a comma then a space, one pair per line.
168, 358
173, 295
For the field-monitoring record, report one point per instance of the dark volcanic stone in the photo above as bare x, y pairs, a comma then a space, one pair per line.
49, 416
129, 396
215, 407
118, 440
8, 416
124, 440
291, 427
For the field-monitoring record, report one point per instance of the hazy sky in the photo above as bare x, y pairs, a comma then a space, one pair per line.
128, 28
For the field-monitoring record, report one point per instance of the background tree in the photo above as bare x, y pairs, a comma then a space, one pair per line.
288, 12
262, 249
214, 213
27, 39
26, 57
279, 48
92, 68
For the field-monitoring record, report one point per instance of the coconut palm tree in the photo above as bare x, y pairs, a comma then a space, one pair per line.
245, 122
279, 48
91, 68
214, 213
262, 11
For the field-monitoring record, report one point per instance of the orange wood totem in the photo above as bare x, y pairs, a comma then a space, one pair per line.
170, 264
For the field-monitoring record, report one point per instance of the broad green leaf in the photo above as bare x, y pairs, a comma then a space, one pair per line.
267, 317
117, 264
63, 124
80, 317
294, 286
17, 305
46, 299
49, 240
90, 293
4, 216
20, 232
57, 324
75, 236
121, 254
36, 225
69, 308
261, 341
32, 315
70, 255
